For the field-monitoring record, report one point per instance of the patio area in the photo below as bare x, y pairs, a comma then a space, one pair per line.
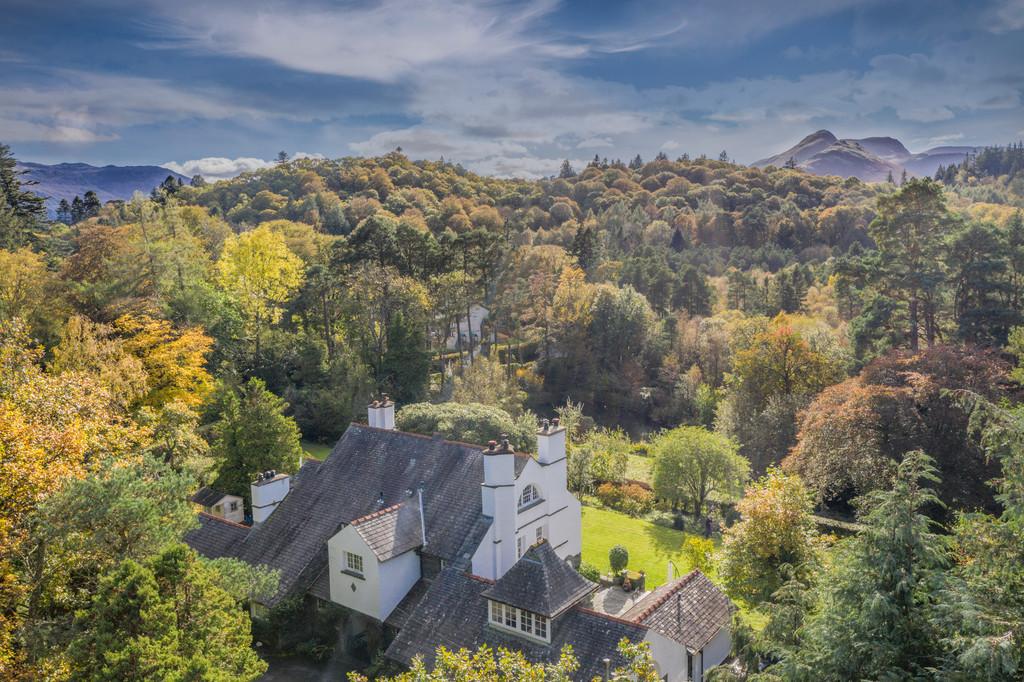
614, 601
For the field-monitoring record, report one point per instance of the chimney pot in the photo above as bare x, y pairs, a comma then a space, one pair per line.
554, 422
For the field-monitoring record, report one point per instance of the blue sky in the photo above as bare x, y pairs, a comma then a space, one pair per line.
506, 88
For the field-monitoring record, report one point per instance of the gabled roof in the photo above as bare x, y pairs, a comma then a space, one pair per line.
392, 531
453, 613
365, 463
690, 610
207, 496
541, 582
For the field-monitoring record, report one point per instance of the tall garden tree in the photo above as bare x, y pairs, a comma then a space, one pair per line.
165, 618
260, 274
692, 463
775, 530
909, 230
22, 212
253, 435
881, 592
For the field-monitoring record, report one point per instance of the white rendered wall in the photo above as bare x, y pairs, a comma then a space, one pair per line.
267, 495
382, 586
717, 650
669, 656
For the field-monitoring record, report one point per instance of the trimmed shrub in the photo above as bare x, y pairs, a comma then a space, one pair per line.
630, 498
590, 572
618, 558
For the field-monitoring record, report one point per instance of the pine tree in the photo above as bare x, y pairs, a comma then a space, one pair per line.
22, 213
91, 205
890, 179
77, 210
637, 163
584, 247
791, 162
64, 212
723, 156
282, 157
567, 171
253, 435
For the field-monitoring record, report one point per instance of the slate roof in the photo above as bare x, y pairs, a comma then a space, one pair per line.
207, 496
365, 462
400, 615
541, 582
216, 537
453, 614
392, 531
690, 610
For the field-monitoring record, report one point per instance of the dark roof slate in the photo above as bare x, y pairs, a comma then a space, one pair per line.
453, 614
400, 615
207, 496
392, 531
541, 582
690, 610
216, 537
365, 462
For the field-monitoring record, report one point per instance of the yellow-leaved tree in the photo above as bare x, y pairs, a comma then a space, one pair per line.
260, 273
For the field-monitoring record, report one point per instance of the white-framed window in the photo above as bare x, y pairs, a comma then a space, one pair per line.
510, 616
529, 496
540, 533
526, 622
520, 545
234, 506
521, 621
354, 563
540, 626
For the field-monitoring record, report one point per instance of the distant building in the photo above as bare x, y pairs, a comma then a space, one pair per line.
468, 327
427, 542
220, 504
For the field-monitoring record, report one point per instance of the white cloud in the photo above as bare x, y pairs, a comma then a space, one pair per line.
217, 167
380, 41
81, 107
220, 168
595, 143
1008, 16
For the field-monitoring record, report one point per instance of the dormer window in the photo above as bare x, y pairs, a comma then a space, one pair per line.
529, 496
519, 621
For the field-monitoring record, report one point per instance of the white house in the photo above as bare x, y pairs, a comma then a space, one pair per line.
220, 504
427, 542
468, 327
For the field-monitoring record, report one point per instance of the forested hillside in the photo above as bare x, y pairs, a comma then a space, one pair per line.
824, 325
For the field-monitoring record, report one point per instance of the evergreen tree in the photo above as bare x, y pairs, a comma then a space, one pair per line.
637, 163
723, 156
90, 205
253, 435
981, 290
64, 212
165, 619
77, 210
22, 213
197, 181
791, 162
405, 370
890, 179
585, 248
567, 170
880, 594
282, 157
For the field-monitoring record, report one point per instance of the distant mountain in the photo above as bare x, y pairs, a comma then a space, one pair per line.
66, 180
870, 158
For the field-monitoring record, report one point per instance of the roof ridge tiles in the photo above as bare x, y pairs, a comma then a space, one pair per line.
685, 580
423, 436
373, 515
224, 521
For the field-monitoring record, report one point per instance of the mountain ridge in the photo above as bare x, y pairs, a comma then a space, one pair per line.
870, 158
69, 179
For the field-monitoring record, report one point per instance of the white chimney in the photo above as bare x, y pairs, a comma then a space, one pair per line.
267, 491
550, 442
381, 414
498, 496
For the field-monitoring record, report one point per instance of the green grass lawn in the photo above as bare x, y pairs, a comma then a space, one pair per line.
316, 450
638, 468
650, 546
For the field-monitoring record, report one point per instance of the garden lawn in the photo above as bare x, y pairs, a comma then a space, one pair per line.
316, 450
650, 545
638, 468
